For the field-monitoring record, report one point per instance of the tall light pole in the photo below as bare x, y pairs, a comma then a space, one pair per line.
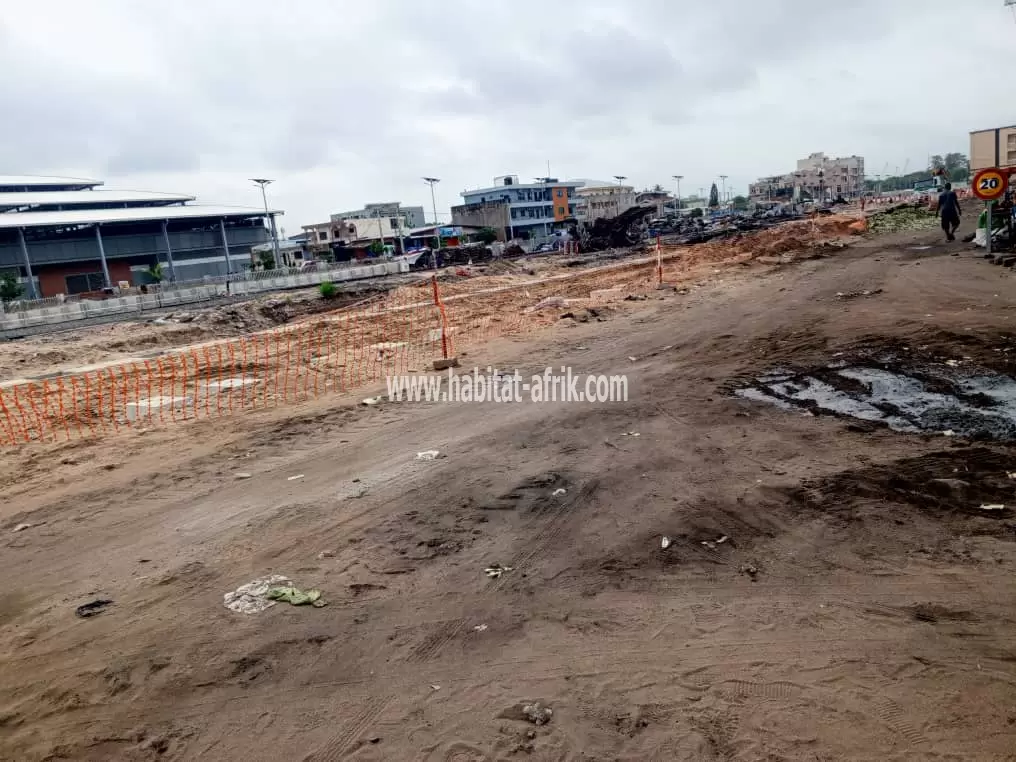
723, 195
620, 179
271, 219
679, 178
437, 233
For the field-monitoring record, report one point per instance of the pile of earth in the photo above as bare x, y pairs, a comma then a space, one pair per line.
901, 218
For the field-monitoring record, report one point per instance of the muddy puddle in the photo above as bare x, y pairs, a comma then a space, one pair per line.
976, 404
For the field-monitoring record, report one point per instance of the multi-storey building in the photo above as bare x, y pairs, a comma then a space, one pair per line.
818, 176
993, 148
407, 217
533, 208
603, 200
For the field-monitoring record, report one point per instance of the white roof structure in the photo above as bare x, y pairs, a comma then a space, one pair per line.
29, 181
28, 199
73, 218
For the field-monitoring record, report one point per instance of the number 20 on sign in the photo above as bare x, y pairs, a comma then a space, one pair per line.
989, 184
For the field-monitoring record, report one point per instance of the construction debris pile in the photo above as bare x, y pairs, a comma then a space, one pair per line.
900, 218
624, 230
819, 235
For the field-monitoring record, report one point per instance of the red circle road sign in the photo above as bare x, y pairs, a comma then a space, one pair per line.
989, 184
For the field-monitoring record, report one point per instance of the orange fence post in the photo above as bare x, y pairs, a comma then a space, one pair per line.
60, 391
218, 396
232, 369
207, 376
8, 424
444, 320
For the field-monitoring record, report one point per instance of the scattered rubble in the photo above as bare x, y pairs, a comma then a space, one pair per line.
900, 218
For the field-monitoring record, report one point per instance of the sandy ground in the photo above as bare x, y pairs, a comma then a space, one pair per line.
855, 612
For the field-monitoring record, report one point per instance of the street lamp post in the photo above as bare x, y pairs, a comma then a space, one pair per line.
262, 181
437, 233
679, 178
620, 179
723, 193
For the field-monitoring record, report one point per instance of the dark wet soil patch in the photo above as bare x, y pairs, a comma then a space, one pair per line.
951, 397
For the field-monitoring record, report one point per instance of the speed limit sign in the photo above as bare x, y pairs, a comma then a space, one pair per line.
989, 184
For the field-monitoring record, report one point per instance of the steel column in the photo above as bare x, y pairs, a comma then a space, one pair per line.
32, 292
102, 257
169, 252
225, 244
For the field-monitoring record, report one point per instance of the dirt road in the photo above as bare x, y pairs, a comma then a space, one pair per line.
857, 610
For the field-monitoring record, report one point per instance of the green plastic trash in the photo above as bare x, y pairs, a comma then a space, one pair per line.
296, 596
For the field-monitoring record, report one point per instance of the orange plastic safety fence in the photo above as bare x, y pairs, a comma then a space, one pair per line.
355, 346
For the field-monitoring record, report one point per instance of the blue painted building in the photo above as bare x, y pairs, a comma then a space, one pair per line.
532, 207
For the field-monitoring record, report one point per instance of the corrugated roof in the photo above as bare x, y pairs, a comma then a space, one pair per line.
141, 214
84, 197
30, 180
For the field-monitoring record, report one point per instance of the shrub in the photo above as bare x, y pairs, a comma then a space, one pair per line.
328, 290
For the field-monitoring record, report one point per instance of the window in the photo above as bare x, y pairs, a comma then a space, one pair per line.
394, 222
322, 235
560, 193
79, 284
560, 209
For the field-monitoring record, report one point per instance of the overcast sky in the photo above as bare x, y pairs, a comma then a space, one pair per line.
343, 103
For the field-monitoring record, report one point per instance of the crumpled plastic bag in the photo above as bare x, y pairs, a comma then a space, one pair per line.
296, 596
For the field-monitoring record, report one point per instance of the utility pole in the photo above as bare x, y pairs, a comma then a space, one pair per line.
723, 194
679, 178
262, 181
437, 233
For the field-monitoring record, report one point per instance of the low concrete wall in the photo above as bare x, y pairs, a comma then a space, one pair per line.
171, 297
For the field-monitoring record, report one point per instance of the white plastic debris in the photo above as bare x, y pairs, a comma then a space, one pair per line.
631, 434
559, 491
633, 358
428, 455
496, 570
480, 628
948, 433
952, 363
722, 540
251, 598
294, 478
242, 475
22, 527
993, 507
1011, 474
537, 714
665, 542
372, 401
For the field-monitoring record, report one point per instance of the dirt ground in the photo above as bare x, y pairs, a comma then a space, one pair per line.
859, 610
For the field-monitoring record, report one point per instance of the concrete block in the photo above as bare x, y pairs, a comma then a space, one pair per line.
150, 405
446, 363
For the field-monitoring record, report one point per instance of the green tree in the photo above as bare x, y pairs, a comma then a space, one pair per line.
376, 248
714, 196
957, 165
156, 273
696, 212
936, 162
487, 235
10, 288
267, 260
740, 202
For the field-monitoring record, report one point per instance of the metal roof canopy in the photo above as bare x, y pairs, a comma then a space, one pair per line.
143, 214
82, 197
29, 181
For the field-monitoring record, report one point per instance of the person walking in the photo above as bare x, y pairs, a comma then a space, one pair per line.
949, 211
